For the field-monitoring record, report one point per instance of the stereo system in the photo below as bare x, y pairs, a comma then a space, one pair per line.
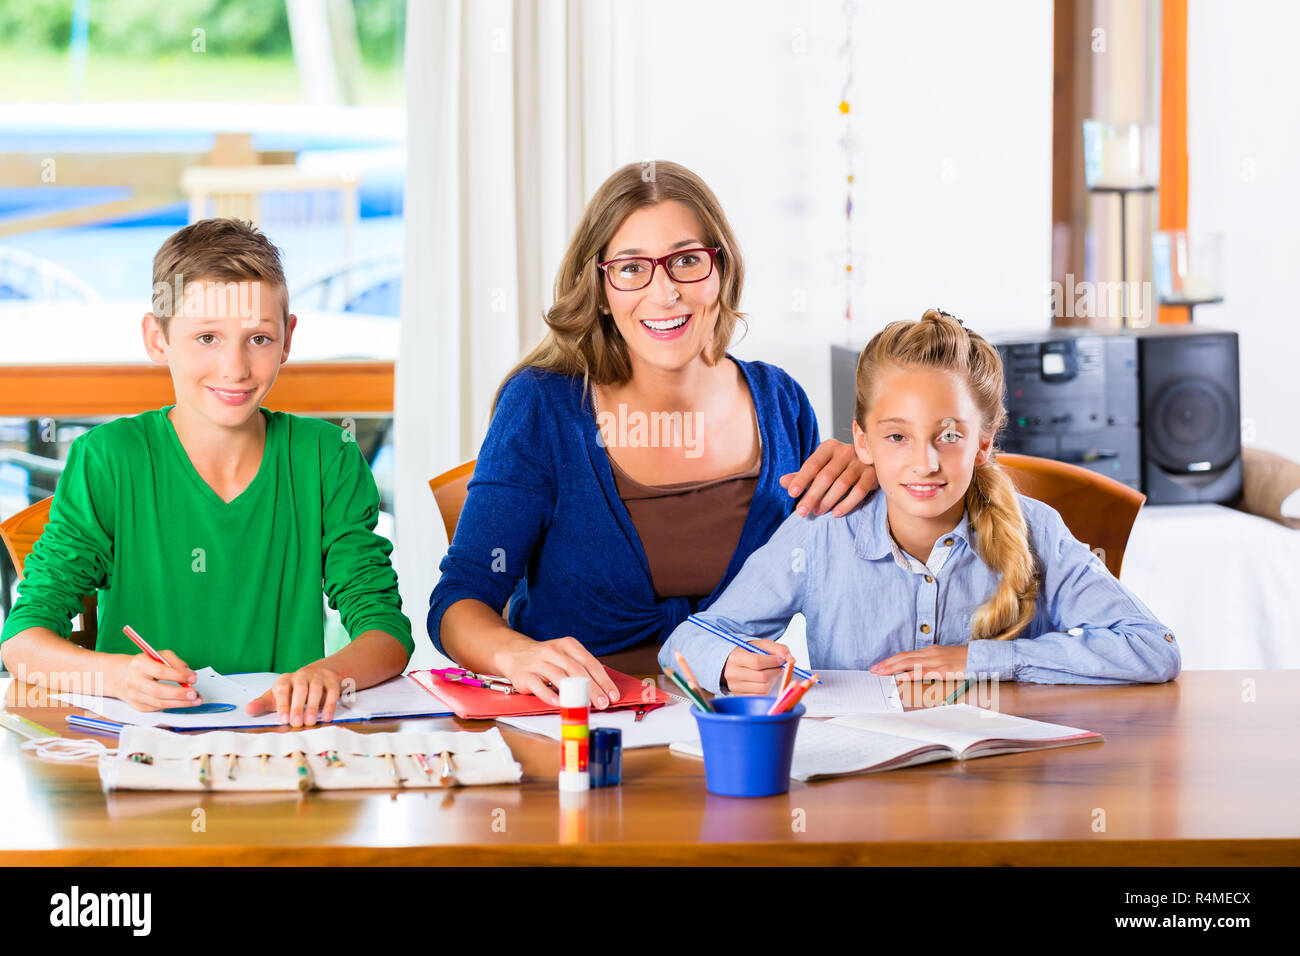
1158, 408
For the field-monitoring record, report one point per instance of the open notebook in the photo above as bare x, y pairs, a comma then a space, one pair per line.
871, 742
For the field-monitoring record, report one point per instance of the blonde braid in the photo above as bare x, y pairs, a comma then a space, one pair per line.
1002, 542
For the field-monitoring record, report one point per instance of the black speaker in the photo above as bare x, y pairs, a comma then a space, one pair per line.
1191, 414
1158, 408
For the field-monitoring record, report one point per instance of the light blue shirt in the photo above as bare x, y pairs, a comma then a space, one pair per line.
865, 599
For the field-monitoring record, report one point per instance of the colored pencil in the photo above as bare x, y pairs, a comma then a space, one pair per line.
958, 691
95, 725
686, 672
392, 770
719, 632
141, 643
792, 696
784, 683
304, 773
686, 688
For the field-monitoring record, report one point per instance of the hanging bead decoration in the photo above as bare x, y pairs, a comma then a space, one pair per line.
850, 9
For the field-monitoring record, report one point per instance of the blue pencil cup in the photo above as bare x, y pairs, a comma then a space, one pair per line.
746, 752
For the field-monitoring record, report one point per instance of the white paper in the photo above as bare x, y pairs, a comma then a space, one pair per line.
398, 697
822, 749
852, 692
392, 698
658, 728
213, 688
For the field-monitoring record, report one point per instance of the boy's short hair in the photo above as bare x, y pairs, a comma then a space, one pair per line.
220, 250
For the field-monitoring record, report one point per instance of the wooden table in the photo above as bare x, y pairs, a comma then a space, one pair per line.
1201, 771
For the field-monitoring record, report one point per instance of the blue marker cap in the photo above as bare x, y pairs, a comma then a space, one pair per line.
605, 756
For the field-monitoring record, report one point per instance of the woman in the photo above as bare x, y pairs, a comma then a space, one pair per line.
631, 465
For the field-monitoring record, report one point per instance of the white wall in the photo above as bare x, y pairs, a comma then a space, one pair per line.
952, 114
1243, 149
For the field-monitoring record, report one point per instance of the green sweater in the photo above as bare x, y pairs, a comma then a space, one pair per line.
235, 586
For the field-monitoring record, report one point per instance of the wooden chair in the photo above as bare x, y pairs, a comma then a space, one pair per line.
449, 491
19, 534
1099, 511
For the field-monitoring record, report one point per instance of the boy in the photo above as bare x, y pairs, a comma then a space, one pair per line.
209, 525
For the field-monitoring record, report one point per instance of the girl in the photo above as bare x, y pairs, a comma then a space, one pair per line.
948, 571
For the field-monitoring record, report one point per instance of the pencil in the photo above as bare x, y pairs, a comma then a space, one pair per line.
392, 770
686, 672
787, 703
304, 773
680, 682
719, 632
448, 776
784, 683
958, 691
423, 765
141, 643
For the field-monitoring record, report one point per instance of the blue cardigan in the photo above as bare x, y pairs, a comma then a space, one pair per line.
543, 524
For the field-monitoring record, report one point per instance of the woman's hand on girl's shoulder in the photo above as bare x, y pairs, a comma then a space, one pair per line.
832, 479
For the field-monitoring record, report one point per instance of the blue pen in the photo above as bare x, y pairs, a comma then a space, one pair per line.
95, 725
714, 629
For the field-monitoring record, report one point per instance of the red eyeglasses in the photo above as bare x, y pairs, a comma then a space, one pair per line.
636, 272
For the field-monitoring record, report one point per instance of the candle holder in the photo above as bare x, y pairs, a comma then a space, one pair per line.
1120, 159
1187, 268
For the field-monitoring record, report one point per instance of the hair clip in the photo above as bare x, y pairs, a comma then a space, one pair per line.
949, 315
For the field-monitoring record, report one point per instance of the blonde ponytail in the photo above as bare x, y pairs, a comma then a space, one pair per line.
993, 512
1002, 542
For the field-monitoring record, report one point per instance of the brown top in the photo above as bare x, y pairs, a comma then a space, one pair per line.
689, 529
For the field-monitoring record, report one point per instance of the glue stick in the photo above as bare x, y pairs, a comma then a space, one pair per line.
574, 699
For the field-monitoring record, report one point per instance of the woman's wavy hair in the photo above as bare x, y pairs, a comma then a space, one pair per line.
581, 341
939, 341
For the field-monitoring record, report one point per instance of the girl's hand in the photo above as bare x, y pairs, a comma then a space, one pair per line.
749, 673
832, 477
299, 697
537, 667
138, 678
940, 661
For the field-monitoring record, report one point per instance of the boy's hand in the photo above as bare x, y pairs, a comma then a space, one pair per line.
940, 662
299, 697
749, 673
138, 682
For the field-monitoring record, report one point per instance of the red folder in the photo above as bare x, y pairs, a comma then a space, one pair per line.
479, 703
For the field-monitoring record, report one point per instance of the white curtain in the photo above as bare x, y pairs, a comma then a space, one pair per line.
510, 129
